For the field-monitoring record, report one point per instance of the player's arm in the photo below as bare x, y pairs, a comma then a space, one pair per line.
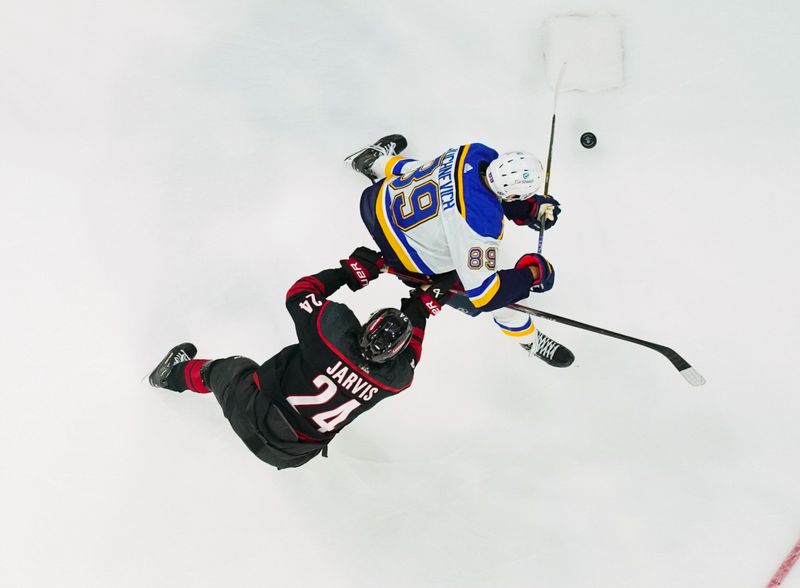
475, 259
423, 302
308, 294
496, 289
489, 290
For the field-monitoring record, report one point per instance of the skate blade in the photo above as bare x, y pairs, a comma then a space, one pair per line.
351, 157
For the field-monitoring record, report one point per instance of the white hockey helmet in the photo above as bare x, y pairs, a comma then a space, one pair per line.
515, 175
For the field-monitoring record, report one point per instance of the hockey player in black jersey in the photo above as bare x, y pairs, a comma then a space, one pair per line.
288, 409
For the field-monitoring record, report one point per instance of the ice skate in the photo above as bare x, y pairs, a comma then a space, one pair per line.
549, 351
178, 354
362, 160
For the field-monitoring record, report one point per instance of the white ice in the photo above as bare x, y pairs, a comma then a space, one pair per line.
168, 168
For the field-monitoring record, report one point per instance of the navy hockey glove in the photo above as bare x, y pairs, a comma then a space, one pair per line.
547, 275
533, 210
361, 267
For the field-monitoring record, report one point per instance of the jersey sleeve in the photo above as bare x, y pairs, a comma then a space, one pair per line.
307, 296
513, 285
418, 317
475, 260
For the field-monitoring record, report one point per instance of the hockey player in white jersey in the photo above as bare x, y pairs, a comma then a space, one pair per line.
447, 214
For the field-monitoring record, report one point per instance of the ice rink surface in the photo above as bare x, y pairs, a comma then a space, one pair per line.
167, 170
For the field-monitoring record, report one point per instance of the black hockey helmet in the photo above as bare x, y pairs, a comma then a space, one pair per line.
385, 335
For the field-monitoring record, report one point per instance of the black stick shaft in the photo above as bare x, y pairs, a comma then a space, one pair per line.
674, 358
547, 180
550, 153
549, 156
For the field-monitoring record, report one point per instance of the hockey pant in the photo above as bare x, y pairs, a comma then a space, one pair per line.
269, 436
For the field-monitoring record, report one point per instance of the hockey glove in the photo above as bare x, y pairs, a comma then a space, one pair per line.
533, 211
361, 267
430, 298
546, 273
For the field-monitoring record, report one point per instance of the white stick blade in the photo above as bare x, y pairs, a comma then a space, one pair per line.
558, 85
693, 376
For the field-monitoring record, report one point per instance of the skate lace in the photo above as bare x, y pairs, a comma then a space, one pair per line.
545, 346
180, 357
387, 149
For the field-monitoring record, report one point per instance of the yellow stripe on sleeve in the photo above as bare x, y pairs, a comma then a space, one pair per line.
488, 294
460, 181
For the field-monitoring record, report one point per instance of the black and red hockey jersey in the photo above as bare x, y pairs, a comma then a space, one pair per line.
322, 383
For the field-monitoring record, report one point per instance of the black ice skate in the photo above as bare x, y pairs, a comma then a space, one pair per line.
178, 354
549, 351
362, 160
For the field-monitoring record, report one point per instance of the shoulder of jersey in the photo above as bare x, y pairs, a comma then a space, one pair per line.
337, 325
481, 208
335, 322
396, 374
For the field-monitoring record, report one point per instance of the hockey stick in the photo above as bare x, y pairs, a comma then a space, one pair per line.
550, 151
690, 374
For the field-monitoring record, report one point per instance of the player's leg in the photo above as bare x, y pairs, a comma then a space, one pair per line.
522, 329
179, 371
389, 166
381, 159
232, 382
255, 419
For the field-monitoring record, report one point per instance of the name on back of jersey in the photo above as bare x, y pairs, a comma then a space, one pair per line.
446, 191
351, 381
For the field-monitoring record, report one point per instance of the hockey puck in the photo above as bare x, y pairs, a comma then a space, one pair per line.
588, 140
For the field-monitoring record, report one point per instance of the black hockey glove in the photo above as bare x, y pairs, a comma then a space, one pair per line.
547, 275
533, 210
361, 267
431, 299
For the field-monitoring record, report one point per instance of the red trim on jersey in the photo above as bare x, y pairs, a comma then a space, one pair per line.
191, 373
416, 348
341, 356
306, 438
257, 380
416, 342
306, 284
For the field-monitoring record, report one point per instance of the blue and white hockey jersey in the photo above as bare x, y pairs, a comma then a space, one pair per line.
440, 216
